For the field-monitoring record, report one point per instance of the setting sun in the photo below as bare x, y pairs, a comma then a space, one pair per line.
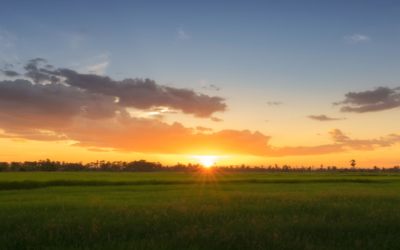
206, 160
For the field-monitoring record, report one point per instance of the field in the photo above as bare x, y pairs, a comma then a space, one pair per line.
206, 210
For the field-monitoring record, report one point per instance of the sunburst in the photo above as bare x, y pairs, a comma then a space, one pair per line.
206, 160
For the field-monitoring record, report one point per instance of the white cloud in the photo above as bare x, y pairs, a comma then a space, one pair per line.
182, 34
98, 69
96, 65
356, 38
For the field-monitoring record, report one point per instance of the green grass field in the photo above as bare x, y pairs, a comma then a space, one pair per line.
199, 211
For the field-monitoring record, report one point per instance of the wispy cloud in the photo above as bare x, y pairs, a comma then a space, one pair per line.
216, 119
356, 38
96, 65
209, 87
182, 34
274, 103
203, 129
324, 118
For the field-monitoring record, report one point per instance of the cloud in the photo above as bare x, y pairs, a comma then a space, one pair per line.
182, 34
7, 65
98, 69
382, 98
64, 105
356, 38
37, 74
322, 118
131, 93
363, 145
274, 103
215, 119
52, 104
177, 139
203, 129
131, 134
9, 73
211, 87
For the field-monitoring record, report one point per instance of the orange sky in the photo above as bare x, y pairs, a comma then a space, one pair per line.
69, 116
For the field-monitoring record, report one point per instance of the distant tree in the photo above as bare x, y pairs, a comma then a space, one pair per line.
3, 166
16, 166
353, 163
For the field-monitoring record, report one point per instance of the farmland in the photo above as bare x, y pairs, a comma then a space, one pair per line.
204, 210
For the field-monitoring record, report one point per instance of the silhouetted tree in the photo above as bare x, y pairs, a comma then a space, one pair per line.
3, 166
353, 163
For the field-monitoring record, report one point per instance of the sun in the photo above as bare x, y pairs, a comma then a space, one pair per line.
206, 160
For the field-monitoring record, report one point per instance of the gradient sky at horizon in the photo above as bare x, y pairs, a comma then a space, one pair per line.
279, 66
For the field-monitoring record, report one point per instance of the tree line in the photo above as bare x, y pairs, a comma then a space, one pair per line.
145, 166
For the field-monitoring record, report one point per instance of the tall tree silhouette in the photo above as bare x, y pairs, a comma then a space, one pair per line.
353, 163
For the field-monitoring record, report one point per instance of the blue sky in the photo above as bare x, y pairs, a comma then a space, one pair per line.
226, 41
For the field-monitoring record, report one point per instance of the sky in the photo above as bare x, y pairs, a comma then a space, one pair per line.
247, 82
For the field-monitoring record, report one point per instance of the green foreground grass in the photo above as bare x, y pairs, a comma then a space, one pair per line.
201, 211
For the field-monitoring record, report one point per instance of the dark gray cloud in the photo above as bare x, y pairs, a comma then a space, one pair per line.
40, 75
274, 103
131, 93
26, 106
9, 73
47, 109
212, 87
382, 98
7, 65
323, 118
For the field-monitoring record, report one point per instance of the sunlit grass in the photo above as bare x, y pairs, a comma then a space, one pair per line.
206, 212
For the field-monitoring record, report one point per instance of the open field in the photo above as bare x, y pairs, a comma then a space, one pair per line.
200, 211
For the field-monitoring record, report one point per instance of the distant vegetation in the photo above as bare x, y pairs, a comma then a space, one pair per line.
145, 166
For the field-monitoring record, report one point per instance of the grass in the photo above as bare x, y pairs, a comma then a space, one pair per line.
202, 212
